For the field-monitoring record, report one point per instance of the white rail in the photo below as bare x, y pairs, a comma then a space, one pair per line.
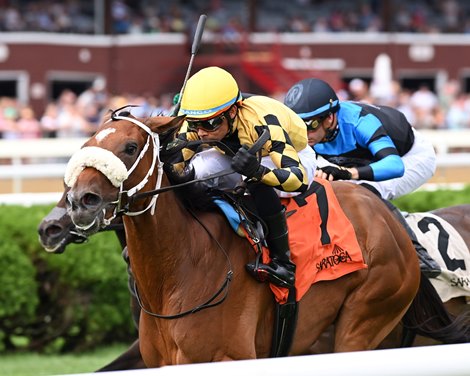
442, 360
33, 159
445, 140
46, 158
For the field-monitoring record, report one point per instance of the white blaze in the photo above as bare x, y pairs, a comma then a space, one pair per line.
104, 133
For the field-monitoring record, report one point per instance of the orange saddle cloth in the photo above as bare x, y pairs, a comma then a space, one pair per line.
323, 242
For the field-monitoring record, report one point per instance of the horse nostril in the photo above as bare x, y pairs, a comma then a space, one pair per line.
91, 200
53, 231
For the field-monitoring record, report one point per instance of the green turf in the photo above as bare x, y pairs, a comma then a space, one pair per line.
41, 365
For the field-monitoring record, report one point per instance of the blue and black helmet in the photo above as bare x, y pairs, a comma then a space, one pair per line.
312, 98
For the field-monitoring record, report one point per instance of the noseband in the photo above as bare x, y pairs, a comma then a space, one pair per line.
114, 169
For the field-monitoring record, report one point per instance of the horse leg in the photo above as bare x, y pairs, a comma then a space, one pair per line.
319, 308
130, 359
374, 309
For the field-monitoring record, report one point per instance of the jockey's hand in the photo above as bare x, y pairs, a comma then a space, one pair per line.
333, 173
248, 164
175, 146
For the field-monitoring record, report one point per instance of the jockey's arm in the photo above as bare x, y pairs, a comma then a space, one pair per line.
182, 157
387, 163
290, 175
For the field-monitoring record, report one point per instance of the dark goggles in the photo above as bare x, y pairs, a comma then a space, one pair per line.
313, 124
209, 125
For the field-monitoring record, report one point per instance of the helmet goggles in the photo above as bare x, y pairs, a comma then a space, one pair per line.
313, 123
209, 125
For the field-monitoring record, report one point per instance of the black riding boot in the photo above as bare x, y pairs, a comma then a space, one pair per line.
281, 270
427, 264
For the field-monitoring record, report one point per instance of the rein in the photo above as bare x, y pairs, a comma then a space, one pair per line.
153, 143
175, 186
228, 278
254, 149
209, 303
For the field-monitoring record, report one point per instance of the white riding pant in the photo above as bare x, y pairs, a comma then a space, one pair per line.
211, 161
420, 166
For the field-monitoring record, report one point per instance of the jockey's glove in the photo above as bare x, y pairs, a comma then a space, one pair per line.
338, 173
248, 164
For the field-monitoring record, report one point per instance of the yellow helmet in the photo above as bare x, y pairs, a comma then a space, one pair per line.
208, 93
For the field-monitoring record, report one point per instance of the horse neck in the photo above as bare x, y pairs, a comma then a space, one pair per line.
170, 244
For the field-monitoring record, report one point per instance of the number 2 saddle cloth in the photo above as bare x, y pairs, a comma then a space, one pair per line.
447, 247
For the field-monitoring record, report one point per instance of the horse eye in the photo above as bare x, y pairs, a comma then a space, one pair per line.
131, 148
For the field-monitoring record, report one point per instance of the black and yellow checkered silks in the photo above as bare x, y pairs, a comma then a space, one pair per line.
288, 135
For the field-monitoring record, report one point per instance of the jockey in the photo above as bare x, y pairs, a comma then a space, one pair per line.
366, 144
216, 110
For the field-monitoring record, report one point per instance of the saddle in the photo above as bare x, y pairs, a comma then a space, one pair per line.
322, 241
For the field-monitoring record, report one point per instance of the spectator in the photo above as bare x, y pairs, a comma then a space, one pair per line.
458, 116
359, 91
96, 96
10, 116
120, 13
405, 107
49, 121
72, 123
27, 124
425, 104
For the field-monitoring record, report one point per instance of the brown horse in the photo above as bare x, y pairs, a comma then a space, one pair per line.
459, 217
180, 260
56, 231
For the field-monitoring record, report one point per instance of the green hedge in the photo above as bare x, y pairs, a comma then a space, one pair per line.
79, 299
57, 303
422, 201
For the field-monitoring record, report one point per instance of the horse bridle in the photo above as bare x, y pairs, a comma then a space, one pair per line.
132, 193
154, 194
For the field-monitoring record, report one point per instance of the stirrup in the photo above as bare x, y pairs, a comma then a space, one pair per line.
257, 273
263, 275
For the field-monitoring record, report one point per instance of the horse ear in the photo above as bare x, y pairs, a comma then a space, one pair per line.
162, 124
106, 116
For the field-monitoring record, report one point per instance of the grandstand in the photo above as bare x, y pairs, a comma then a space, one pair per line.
140, 50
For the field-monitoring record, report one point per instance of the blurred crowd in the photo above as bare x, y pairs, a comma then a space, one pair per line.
73, 115
424, 109
232, 17
76, 115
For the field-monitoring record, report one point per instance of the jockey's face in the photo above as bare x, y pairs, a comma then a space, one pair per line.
217, 134
318, 134
219, 128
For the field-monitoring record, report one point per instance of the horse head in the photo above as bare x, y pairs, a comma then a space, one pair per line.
119, 160
57, 230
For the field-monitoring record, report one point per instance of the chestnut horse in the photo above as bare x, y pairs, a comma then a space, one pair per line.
199, 304
57, 230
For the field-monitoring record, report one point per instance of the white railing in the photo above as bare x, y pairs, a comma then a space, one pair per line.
47, 158
441, 360
33, 159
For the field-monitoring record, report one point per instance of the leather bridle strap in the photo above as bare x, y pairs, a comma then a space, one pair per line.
142, 195
209, 302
